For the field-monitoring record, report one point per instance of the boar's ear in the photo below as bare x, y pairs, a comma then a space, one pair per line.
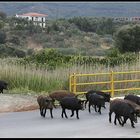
125, 96
107, 93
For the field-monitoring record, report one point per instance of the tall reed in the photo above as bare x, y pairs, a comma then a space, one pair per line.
25, 78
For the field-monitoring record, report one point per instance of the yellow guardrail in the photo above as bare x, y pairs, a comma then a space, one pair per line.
73, 81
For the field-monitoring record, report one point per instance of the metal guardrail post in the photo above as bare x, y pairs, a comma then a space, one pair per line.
70, 83
112, 84
74, 82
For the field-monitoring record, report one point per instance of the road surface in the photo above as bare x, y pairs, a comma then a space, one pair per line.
30, 124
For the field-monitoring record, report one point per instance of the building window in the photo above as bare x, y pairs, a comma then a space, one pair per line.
36, 18
42, 19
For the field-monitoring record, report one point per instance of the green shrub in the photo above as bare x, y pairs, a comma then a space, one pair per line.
2, 37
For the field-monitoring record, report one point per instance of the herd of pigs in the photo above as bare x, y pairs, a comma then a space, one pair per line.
124, 109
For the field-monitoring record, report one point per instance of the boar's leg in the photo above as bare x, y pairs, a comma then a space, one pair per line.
110, 116
63, 112
95, 109
72, 113
77, 114
115, 119
51, 113
99, 109
44, 112
89, 107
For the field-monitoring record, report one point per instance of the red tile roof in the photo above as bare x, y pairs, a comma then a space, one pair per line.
34, 15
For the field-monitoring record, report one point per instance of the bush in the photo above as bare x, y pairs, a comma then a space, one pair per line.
127, 39
113, 52
67, 51
19, 53
2, 15
2, 37
6, 51
15, 40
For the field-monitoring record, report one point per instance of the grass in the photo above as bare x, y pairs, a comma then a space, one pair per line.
29, 79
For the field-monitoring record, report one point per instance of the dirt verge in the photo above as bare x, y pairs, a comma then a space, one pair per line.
17, 102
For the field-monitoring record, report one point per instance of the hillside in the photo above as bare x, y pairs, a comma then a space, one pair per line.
71, 9
85, 36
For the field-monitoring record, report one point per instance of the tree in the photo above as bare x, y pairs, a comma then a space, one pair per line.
127, 38
2, 15
2, 37
15, 40
1, 24
113, 52
19, 53
32, 29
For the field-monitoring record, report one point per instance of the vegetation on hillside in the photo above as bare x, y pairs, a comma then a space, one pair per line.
128, 38
36, 59
85, 36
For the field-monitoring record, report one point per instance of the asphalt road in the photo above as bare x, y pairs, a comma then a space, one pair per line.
30, 124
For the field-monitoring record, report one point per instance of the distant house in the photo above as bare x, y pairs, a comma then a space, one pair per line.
135, 19
124, 19
121, 19
38, 19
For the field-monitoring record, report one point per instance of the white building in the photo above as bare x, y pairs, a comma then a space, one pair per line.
124, 19
121, 19
38, 19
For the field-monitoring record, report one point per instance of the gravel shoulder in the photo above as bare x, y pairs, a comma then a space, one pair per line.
17, 102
